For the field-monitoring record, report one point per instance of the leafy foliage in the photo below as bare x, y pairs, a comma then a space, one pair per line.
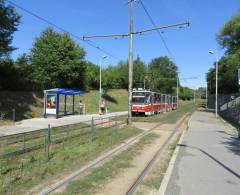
185, 93
228, 38
162, 75
92, 75
9, 20
7, 74
57, 61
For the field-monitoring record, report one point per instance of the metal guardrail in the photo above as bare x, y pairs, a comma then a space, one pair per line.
21, 143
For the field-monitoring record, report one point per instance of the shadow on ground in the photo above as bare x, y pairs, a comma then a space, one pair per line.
212, 158
110, 98
233, 144
25, 104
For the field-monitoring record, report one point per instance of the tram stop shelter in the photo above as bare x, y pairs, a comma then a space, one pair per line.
60, 102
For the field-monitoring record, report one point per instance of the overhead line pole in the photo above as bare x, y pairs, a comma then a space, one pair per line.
130, 71
177, 88
131, 33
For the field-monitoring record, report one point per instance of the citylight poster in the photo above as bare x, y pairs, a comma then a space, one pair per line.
51, 104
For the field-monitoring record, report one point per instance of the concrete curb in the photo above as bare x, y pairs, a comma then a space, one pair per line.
169, 171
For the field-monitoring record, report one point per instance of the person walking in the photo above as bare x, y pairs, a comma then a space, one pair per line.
81, 107
102, 107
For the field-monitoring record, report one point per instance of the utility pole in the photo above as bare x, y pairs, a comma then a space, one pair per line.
207, 96
216, 95
130, 34
216, 111
100, 82
177, 88
130, 71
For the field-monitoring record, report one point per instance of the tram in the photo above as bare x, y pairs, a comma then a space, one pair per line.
148, 102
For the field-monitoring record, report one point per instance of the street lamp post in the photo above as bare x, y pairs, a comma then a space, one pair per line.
216, 98
100, 82
207, 96
177, 88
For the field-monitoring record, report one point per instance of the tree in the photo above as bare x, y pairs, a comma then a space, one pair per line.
9, 20
162, 75
139, 73
227, 77
92, 75
123, 73
57, 61
229, 36
185, 93
24, 71
111, 78
7, 74
201, 93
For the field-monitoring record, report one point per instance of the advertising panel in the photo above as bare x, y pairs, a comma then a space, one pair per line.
51, 104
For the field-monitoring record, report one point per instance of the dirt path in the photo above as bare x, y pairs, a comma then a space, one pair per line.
120, 184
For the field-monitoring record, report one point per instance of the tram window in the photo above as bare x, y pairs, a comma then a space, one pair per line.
138, 93
138, 100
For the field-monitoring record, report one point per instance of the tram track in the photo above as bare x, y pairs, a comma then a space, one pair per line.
97, 161
154, 159
103, 158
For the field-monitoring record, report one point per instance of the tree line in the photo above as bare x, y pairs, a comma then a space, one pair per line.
229, 39
57, 61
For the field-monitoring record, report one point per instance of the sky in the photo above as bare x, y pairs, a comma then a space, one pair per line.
188, 46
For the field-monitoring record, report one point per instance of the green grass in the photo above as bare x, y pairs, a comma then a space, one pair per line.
169, 117
20, 173
20, 142
153, 181
92, 182
30, 104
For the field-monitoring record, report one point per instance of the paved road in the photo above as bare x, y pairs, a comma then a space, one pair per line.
41, 123
208, 161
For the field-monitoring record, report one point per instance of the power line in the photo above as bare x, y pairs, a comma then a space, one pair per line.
159, 33
62, 29
182, 24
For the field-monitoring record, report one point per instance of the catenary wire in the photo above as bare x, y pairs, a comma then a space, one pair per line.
62, 29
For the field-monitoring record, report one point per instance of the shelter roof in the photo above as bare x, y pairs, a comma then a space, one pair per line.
65, 91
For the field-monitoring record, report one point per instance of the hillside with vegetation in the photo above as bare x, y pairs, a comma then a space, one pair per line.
228, 65
56, 60
30, 104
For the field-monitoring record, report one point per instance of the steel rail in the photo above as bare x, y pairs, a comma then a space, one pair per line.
81, 171
153, 160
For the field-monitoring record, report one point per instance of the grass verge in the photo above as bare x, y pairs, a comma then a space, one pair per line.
20, 173
93, 182
153, 181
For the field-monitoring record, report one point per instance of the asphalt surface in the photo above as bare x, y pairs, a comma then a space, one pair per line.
208, 161
42, 123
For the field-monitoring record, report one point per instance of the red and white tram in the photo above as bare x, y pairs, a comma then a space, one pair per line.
148, 102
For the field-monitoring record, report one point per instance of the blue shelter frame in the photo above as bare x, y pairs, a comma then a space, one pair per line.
52, 101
